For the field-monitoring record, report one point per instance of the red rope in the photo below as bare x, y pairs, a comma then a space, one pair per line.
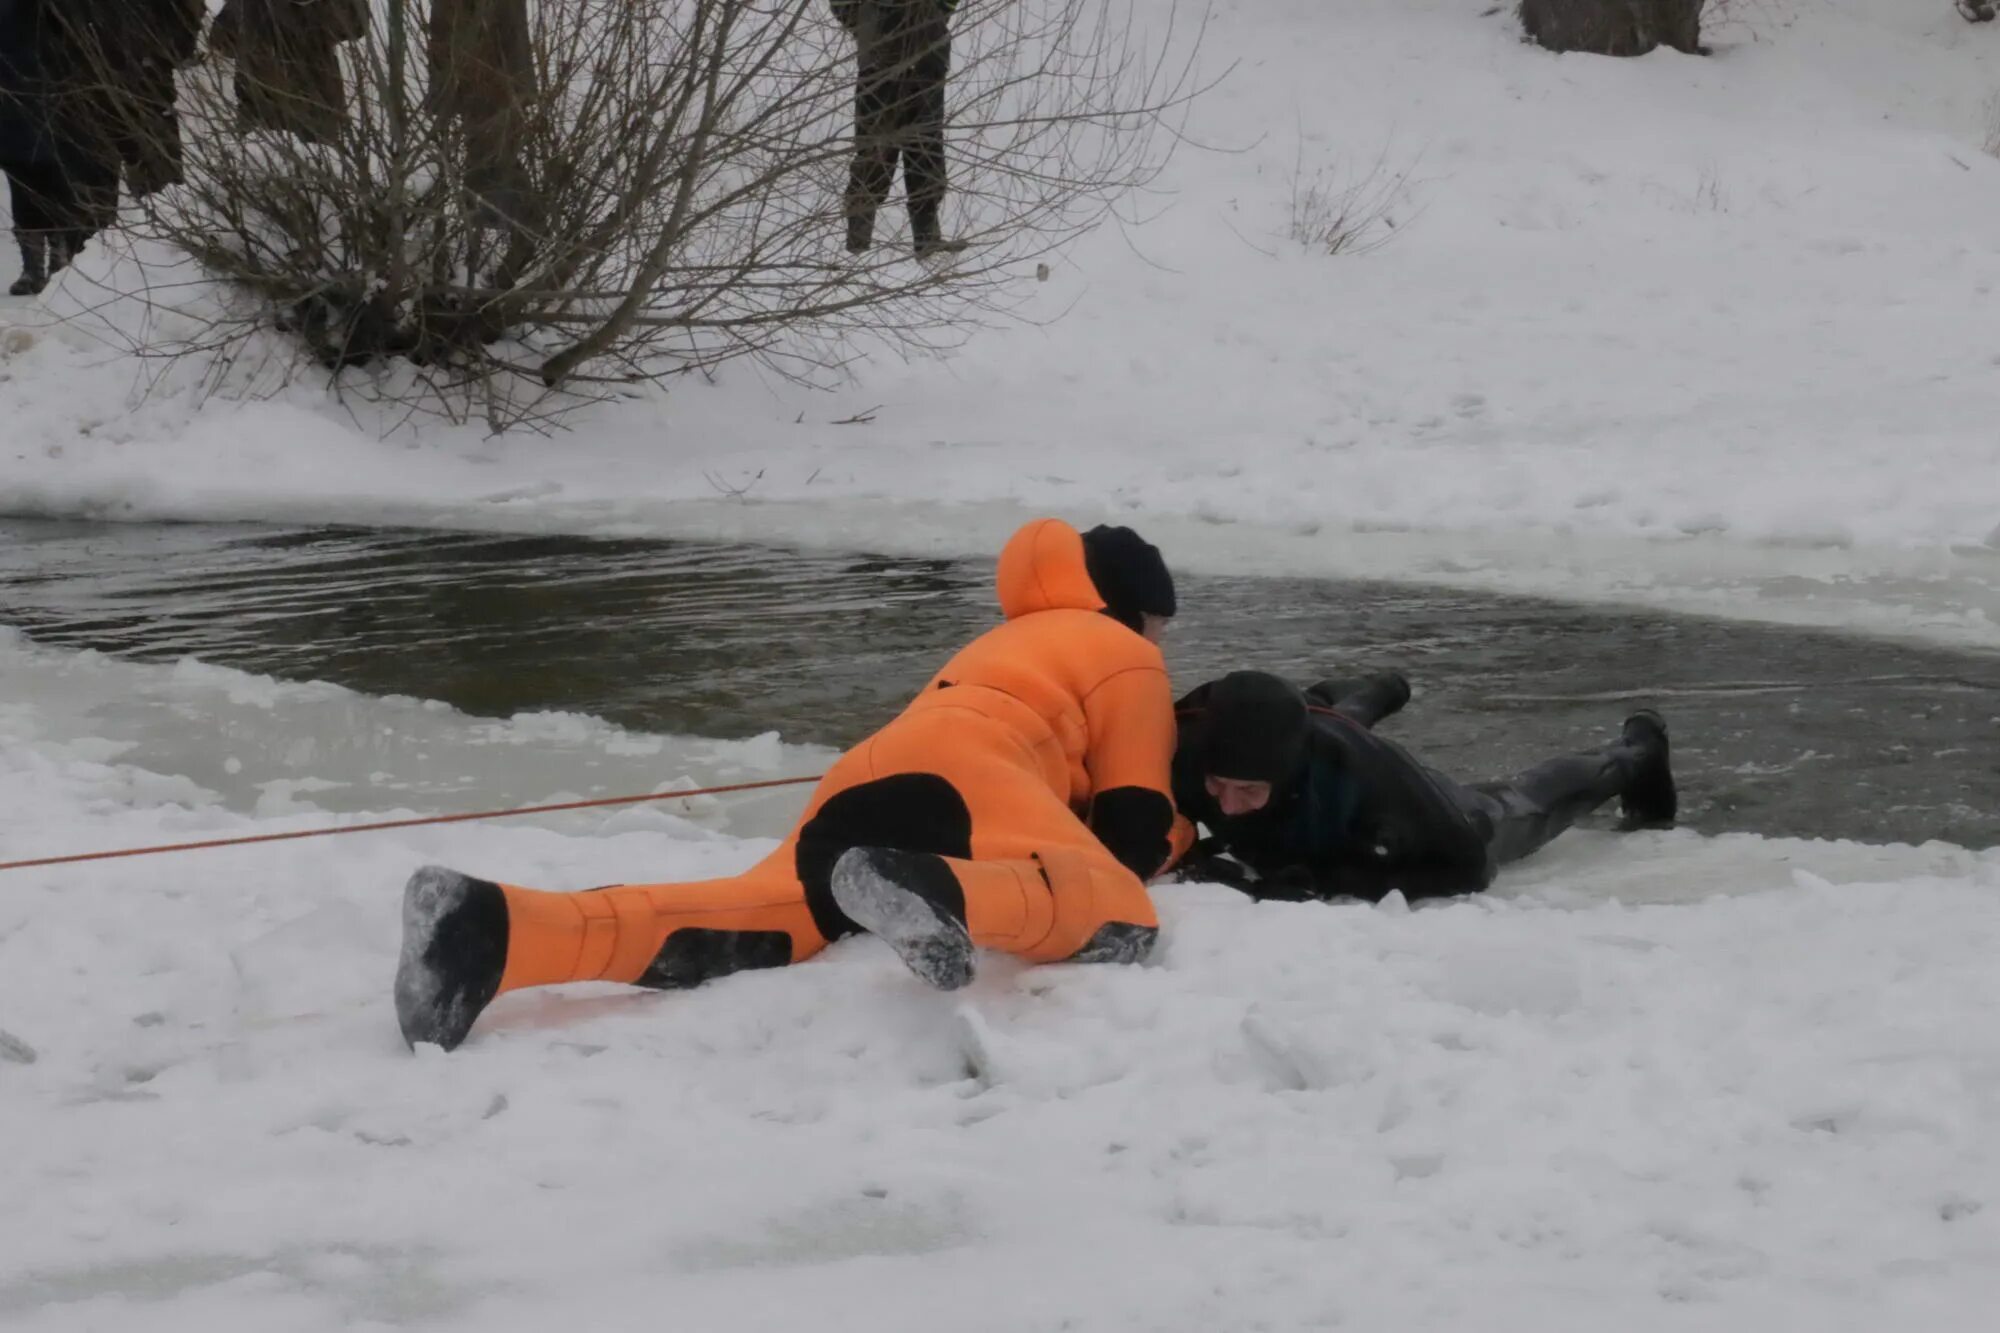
404, 823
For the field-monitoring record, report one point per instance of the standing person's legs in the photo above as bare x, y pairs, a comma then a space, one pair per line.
1529, 809
924, 175
88, 203
28, 201
875, 151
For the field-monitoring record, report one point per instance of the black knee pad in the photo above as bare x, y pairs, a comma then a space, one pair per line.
911, 812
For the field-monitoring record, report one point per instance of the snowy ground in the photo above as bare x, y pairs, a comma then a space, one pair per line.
1659, 1082
1709, 333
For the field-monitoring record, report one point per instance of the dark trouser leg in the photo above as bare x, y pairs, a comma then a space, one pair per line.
89, 204
876, 148
1366, 699
27, 190
1533, 806
923, 154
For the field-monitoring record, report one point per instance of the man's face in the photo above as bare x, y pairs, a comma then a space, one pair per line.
1237, 797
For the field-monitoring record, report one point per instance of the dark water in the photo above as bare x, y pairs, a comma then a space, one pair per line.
1776, 730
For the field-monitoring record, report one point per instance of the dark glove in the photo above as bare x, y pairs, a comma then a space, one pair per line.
1206, 867
1293, 884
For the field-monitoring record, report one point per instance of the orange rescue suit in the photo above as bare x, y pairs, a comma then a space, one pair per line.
1037, 762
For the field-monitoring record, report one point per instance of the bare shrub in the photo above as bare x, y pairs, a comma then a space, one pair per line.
612, 191
1334, 212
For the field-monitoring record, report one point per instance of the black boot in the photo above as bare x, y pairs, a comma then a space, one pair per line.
64, 247
1365, 699
927, 234
454, 951
860, 233
34, 266
1650, 799
931, 246
912, 901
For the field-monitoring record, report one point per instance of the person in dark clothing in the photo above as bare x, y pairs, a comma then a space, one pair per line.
1304, 800
287, 55
61, 186
904, 53
134, 47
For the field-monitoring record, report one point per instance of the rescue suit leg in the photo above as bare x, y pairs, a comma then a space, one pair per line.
467, 940
1534, 806
1061, 904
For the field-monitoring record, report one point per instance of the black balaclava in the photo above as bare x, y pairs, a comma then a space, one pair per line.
1130, 575
1256, 728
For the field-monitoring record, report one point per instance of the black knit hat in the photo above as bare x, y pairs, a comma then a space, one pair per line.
1130, 575
1256, 728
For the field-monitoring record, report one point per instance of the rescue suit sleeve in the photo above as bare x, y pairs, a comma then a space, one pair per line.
1129, 756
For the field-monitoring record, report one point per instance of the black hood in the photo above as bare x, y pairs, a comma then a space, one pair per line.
1130, 574
1255, 728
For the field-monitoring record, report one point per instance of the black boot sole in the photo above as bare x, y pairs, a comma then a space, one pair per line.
454, 952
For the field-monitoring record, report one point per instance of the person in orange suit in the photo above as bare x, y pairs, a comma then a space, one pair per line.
1019, 803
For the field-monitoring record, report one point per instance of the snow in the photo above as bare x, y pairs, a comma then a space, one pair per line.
1709, 334
1657, 1082
1712, 334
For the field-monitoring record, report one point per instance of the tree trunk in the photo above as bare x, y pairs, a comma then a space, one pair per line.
1614, 27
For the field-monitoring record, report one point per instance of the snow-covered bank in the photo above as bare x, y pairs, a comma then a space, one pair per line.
1659, 1082
1708, 333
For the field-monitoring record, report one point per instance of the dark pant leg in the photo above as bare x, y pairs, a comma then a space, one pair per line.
34, 231
90, 202
1366, 699
28, 195
1533, 806
923, 149
876, 148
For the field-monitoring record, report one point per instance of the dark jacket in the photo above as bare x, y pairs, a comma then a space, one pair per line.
35, 70
288, 61
1361, 816
137, 45
482, 76
899, 37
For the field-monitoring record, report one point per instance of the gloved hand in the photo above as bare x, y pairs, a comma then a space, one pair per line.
1293, 884
1202, 866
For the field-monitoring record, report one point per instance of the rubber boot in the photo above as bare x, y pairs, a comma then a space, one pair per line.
34, 266
929, 236
454, 951
860, 233
913, 903
1650, 799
